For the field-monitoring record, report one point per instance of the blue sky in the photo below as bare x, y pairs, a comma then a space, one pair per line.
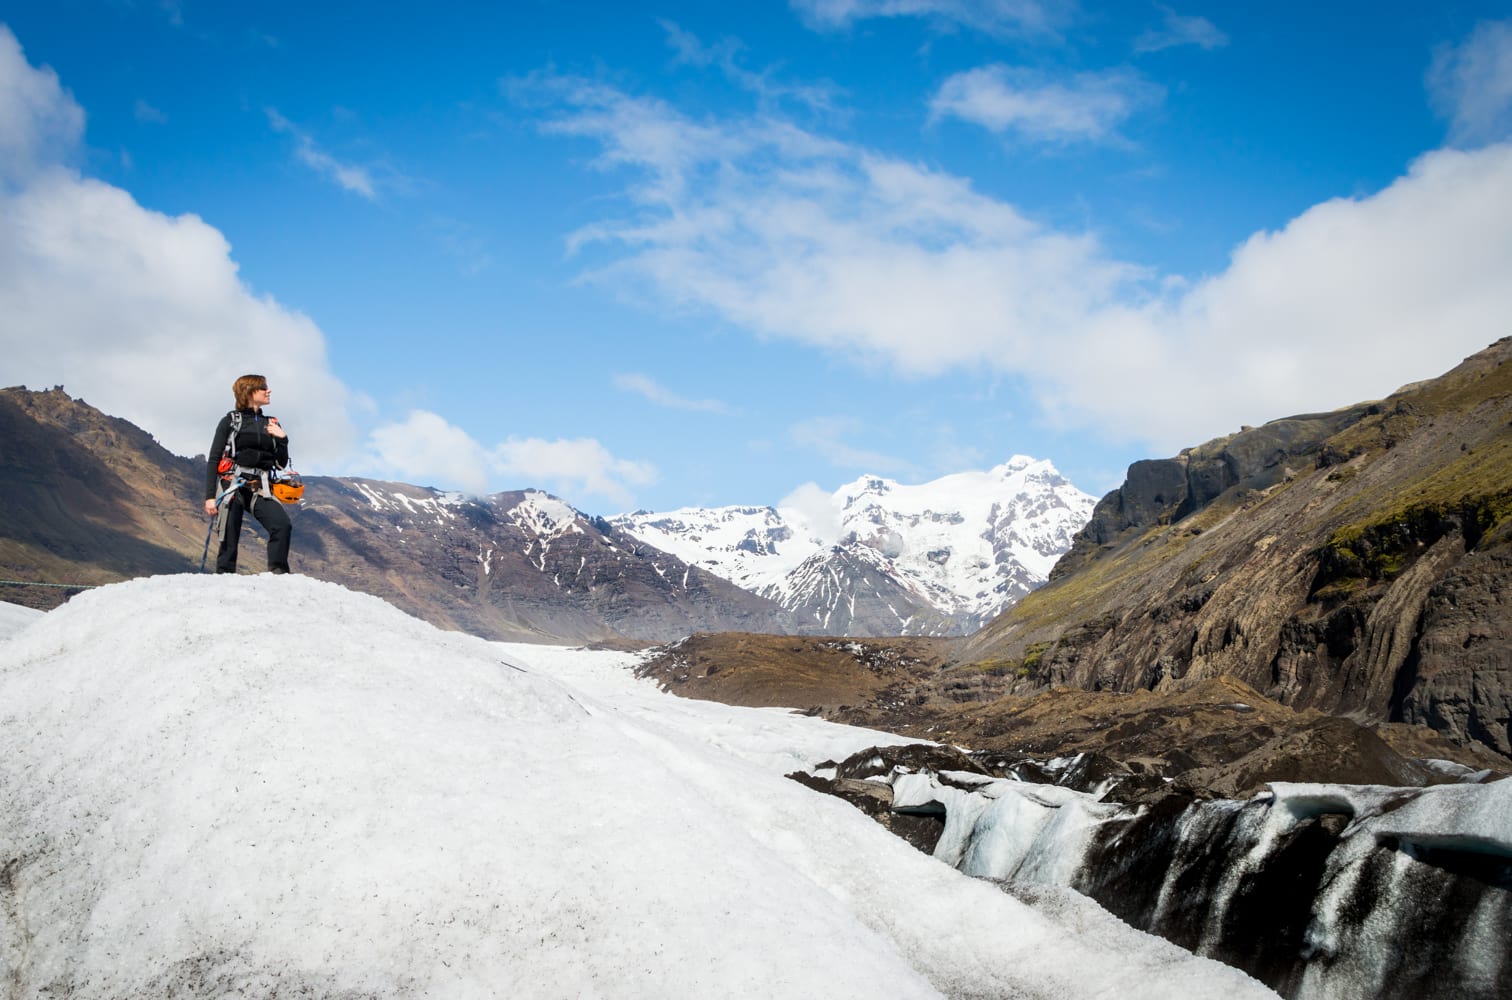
665, 254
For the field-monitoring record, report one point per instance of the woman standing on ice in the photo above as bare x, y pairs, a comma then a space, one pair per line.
246, 454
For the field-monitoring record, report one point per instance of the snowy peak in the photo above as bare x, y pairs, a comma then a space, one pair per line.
751, 547
412, 501
857, 591
544, 516
950, 487
939, 557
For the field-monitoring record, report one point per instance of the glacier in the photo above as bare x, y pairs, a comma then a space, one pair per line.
1323, 891
271, 786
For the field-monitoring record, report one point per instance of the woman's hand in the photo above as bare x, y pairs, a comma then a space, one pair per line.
274, 429
210, 508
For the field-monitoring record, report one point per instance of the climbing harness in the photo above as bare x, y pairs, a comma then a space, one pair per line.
283, 485
261, 484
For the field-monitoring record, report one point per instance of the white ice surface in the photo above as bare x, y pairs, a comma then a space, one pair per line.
14, 617
1010, 829
779, 740
1477, 817
272, 784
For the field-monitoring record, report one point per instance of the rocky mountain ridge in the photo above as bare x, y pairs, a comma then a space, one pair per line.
882, 558
1355, 562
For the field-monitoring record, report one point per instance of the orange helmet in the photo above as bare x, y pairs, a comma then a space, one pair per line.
288, 488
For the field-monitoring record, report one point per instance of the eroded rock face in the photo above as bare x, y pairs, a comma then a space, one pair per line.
1459, 677
1158, 491
1153, 491
1350, 562
1218, 736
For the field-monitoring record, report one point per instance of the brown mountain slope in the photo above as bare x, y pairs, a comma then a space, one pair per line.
1355, 562
517, 565
87, 499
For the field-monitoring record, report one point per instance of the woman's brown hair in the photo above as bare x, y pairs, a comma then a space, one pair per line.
244, 387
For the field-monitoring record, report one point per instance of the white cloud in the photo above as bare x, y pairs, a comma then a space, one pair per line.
692, 51
790, 234
141, 314
574, 466
995, 17
1471, 85
826, 437
424, 448
1085, 107
644, 385
358, 180
724, 55
40, 124
817, 509
1350, 300
1179, 30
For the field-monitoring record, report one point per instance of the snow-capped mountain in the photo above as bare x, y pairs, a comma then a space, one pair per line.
879, 557
874, 559
521, 564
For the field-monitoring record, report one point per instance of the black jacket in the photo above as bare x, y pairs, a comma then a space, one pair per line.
255, 448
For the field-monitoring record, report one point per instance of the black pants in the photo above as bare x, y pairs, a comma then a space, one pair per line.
270, 514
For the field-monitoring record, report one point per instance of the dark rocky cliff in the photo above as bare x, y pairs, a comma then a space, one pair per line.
1163, 491
1353, 562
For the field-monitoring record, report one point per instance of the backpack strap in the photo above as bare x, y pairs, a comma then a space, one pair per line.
236, 421
230, 472
237, 475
